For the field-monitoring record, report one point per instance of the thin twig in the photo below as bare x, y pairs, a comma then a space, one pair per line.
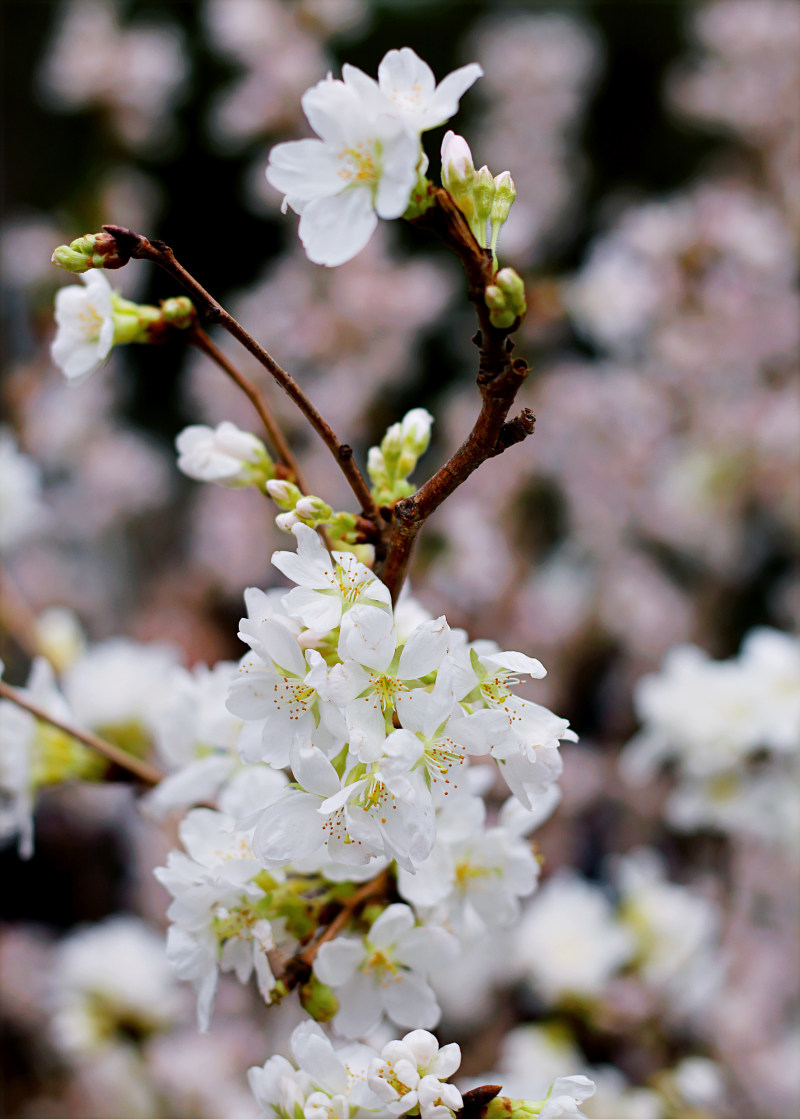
202, 342
134, 245
143, 770
298, 967
500, 377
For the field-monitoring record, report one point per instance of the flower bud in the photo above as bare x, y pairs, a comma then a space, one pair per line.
483, 194
513, 288
284, 494
312, 508
416, 430
458, 170
93, 250
494, 298
225, 455
504, 195
179, 312
318, 1000
287, 521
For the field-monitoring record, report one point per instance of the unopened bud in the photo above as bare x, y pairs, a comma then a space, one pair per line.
458, 170
483, 193
179, 312
284, 494
318, 1000
287, 521
494, 298
504, 194
312, 508
416, 430
513, 287
93, 250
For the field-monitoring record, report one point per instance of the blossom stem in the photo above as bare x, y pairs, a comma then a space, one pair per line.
500, 377
297, 968
134, 245
143, 770
199, 339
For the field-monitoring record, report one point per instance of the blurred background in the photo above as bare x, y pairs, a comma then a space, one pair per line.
656, 152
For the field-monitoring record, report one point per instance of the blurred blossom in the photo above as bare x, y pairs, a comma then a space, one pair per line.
280, 47
569, 941
112, 986
137, 75
747, 79
539, 71
22, 512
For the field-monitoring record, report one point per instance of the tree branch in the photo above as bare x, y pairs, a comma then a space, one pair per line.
297, 969
134, 246
500, 377
143, 770
201, 341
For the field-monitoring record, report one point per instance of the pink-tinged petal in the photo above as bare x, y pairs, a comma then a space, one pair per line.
403, 72
394, 922
368, 637
425, 649
334, 230
338, 959
303, 169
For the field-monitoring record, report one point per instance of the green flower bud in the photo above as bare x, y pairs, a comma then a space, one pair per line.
483, 194
494, 298
513, 287
313, 510
93, 250
179, 312
501, 1107
318, 1000
504, 195
284, 494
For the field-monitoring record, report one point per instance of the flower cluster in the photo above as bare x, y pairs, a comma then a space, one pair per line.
368, 157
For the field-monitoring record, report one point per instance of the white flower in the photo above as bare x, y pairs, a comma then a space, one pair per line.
225, 454
327, 1082
85, 334
216, 920
409, 85
564, 1096
475, 875
21, 508
372, 682
412, 1073
111, 980
363, 167
569, 941
385, 972
327, 585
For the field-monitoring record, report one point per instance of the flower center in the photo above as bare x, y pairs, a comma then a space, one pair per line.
90, 323
359, 165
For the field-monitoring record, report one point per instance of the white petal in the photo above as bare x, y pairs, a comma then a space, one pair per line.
334, 230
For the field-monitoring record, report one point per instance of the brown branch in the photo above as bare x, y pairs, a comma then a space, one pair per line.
201, 341
143, 770
500, 377
134, 246
297, 969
